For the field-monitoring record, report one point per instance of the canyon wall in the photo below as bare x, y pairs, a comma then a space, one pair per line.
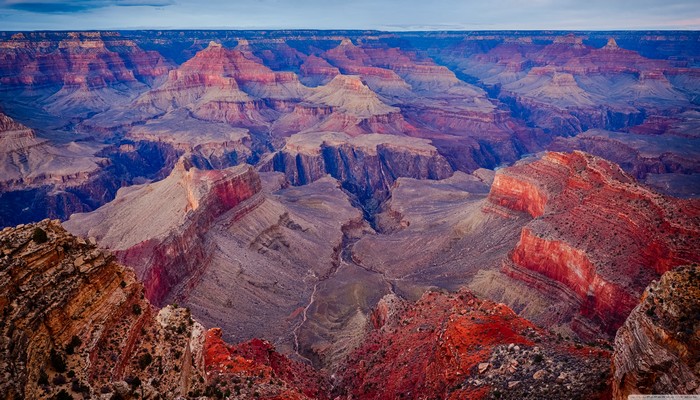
596, 234
656, 350
164, 241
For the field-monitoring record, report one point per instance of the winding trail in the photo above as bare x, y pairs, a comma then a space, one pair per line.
342, 260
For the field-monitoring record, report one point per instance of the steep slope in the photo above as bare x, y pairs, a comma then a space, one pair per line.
157, 228
28, 161
567, 85
457, 346
239, 251
661, 153
345, 104
76, 323
658, 347
367, 165
597, 237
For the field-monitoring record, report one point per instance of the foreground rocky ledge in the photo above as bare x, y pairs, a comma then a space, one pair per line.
77, 324
657, 350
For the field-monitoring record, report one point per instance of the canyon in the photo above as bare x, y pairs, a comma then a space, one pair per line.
348, 214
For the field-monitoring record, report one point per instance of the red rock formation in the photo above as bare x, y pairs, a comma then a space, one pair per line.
596, 232
317, 71
274, 375
658, 348
84, 58
163, 242
457, 346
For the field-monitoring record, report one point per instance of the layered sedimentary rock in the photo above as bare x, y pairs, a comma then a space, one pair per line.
657, 348
456, 346
568, 86
83, 72
76, 323
667, 160
29, 161
207, 145
239, 252
597, 237
159, 231
366, 164
41, 179
345, 104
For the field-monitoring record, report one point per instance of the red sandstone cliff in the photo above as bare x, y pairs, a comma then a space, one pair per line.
596, 233
74, 322
163, 240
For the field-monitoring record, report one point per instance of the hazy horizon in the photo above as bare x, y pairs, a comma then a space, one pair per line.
390, 15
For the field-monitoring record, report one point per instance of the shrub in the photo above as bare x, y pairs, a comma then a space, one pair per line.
145, 360
43, 378
136, 309
74, 342
57, 361
538, 358
59, 380
39, 235
63, 395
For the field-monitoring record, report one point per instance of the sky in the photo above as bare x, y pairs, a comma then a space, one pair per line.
392, 15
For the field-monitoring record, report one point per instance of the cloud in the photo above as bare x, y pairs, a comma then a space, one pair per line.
73, 6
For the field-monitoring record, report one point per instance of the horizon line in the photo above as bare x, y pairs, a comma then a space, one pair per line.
352, 30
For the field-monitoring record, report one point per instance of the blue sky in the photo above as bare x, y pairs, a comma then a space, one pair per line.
350, 14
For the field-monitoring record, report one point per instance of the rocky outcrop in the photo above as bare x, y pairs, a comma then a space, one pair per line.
76, 323
74, 320
595, 232
366, 164
161, 240
28, 161
273, 376
316, 71
80, 72
456, 346
657, 350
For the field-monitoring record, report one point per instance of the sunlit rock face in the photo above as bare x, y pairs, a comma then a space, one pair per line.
595, 231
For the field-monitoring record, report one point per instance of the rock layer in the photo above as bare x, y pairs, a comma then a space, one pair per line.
657, 348
457, 346
162, 240
596, 232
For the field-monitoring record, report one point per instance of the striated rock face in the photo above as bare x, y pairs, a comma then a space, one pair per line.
316, 71
456, 346
657, 350
73, 315
365, 164
162, 240
662, 152
74, 320
79, 58
597, 237
79, 72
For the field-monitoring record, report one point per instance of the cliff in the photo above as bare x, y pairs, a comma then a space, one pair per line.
595, 232
657, 350
76, 323
366, 164
157, 228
